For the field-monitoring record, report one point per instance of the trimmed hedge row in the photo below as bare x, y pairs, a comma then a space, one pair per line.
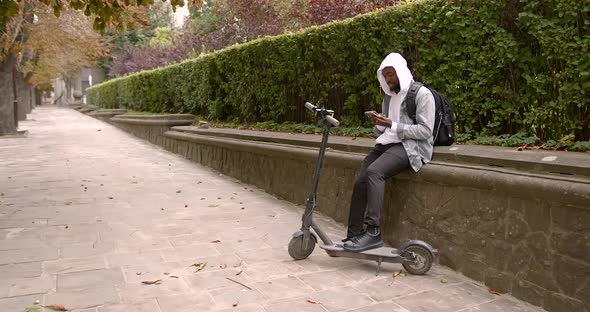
507, 65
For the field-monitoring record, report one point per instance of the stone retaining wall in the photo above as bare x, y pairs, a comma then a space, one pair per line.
106, 114
521, 232
150, 127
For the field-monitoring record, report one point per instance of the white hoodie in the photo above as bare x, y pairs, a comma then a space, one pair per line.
405, 77
414, 134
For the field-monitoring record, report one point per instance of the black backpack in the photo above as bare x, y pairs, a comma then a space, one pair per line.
444, 121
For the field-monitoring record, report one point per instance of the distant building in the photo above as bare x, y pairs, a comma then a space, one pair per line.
64, 90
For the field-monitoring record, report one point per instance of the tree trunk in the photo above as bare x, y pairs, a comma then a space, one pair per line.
68, 95
23, 96
7, 122
38, 98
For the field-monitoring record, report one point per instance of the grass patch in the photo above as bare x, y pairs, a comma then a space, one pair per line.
133, 112
521, 140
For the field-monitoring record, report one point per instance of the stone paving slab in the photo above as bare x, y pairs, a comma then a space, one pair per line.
88, 213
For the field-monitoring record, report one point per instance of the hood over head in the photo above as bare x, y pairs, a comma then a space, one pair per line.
400, 65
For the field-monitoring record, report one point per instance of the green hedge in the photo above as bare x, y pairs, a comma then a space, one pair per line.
507, 65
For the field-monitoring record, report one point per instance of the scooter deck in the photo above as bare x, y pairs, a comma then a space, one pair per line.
382, 254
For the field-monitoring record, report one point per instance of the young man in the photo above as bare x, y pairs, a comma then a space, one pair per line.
402, 144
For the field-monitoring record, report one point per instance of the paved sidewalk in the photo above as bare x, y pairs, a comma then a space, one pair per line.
88, 213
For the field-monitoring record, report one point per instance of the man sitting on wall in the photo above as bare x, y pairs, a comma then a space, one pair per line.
402, 144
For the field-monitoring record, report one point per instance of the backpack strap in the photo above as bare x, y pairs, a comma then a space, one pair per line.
411, 99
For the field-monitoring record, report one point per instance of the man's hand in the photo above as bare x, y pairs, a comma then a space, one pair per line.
380, 120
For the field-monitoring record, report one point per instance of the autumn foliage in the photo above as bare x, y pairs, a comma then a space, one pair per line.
222, 23
59, 45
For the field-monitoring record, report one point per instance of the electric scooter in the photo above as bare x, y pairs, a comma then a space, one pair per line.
416, 256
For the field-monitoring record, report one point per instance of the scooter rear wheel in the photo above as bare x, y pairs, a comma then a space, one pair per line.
421, 260
297, 248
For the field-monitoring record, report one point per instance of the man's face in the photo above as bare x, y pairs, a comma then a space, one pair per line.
391, 78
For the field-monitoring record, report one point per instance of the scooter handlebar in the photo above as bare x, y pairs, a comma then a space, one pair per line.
333, 121
326, 112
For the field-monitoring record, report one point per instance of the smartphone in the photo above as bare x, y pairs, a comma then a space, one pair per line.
369, 113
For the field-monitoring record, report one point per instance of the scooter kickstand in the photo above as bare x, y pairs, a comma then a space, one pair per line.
378, 266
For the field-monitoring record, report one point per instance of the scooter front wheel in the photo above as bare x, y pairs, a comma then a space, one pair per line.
419, 259
299, 249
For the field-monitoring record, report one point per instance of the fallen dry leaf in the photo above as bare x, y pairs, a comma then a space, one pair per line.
444, 280
233, 280
55, 307
223, 266
199, 266
216, 241
156, 282
166, 273
313, 301
235, 304
395, 274
239, 272
494, 292
138, 273
173, 276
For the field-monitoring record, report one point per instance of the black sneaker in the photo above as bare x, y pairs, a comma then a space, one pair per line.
349, 235
363, 242
341, 243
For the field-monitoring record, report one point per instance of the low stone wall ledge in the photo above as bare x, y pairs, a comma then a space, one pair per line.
152, 122
503, 180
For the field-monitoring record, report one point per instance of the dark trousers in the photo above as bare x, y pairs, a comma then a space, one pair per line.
384, 161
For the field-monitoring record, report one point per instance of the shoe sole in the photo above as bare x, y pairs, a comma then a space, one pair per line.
371, 246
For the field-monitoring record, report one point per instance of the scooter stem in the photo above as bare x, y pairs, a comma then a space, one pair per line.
311, 200
320, 162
